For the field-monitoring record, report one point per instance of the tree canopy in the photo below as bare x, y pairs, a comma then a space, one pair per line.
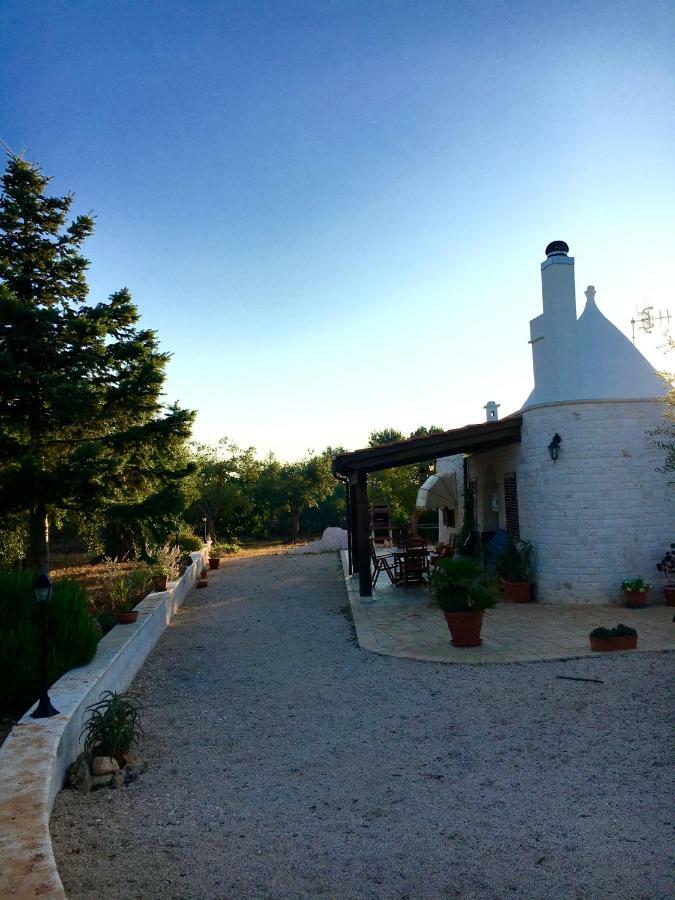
82, 425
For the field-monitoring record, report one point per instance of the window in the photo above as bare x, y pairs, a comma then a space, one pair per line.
449, 517
511, 506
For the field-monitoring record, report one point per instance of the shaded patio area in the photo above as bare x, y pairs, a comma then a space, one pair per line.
399, 622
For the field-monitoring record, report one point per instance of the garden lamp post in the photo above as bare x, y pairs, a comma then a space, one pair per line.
43, 591
205, 535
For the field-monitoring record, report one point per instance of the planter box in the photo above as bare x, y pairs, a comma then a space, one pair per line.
517, 591
636, 599
669, 594
214, 563
629, 642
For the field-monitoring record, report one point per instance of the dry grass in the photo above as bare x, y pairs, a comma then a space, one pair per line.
90, 577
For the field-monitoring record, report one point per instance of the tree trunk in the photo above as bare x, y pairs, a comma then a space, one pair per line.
39, 539
211, 528
294, 526
414, 519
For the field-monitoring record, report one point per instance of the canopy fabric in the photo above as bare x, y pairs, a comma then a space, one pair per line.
438, 491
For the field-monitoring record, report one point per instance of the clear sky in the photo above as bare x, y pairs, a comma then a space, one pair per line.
334, 213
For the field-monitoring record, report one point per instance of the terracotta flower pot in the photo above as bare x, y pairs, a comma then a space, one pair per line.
636, 599
126, 618
465, 627
517, 591
201, 582
159, 582
214, 562
669, 594
629, 642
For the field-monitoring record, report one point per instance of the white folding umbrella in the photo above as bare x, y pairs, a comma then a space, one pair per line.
438, 491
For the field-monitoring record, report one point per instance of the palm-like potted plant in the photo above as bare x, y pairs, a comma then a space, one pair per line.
514, 569
667, 567
635, 591
620, 638
463, 590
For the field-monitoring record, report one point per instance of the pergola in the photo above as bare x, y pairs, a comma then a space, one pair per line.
353, 468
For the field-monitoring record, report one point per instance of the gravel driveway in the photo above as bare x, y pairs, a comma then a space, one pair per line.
286, 762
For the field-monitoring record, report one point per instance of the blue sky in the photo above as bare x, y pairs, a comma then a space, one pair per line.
333, 213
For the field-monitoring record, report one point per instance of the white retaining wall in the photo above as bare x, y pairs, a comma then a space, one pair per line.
37, 753
602, 512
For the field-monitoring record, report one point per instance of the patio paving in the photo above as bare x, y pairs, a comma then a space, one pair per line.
400, 622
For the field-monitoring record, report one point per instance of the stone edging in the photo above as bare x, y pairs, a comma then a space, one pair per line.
37, 752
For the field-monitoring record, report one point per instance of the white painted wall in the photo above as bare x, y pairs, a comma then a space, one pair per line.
602, 513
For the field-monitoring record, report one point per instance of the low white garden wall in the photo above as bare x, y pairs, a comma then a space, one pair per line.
37, 753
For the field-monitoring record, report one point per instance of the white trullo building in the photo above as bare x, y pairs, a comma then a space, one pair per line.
602, 512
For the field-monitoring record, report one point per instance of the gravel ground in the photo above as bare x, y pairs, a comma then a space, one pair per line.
286, 762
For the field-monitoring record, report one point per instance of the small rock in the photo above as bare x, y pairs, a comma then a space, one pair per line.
104, 765
131, 758
99, 781
79, 776
117, 780
133, 771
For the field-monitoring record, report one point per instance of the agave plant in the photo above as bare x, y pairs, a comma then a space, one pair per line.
462, 584
114, 724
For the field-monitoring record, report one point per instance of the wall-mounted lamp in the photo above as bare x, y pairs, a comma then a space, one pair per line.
554, 447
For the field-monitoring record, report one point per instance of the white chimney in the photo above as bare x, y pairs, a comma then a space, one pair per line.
553, 335
491, 414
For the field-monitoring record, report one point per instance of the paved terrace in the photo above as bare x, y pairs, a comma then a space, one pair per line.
400, 622
286, 762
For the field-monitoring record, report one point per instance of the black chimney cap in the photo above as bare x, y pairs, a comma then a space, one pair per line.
557, 248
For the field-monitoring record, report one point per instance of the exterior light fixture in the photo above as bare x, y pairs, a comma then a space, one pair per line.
43, 592
205, 535
554, 447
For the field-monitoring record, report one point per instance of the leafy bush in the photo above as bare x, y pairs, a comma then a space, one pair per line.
114, 724
73, 636
634, 584
462, 585
225, 549
606, 634
515, 563
667, 565
165, 561
189, 542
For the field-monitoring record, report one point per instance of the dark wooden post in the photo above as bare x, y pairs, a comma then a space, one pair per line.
363, 547
353, 526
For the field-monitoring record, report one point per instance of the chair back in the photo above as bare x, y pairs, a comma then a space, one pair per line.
373, 551
416, 542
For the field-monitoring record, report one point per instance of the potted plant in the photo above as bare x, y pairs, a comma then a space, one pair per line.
124, 592
514, 569
164, 565
667, 567
463, 590
160, 577
620, 638
635, 591
214, 556
125, 613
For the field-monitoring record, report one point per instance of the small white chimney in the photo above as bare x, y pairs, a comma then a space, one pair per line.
553, 335
491, 414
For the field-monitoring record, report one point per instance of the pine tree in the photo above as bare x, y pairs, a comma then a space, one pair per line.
82, 426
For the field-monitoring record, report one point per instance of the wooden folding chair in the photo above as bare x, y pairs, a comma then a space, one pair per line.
381, 564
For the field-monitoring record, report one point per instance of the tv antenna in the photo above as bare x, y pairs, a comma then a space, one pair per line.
646, 319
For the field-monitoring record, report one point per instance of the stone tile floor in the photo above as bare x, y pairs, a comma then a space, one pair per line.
400, 622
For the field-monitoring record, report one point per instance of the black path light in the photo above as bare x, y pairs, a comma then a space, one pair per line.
205, 536
43, 592
554, 447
